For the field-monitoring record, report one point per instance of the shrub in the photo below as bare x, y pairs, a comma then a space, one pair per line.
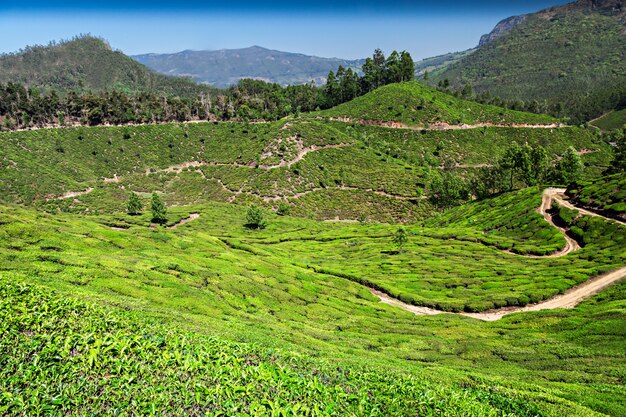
255, 219
159, 211
134, 205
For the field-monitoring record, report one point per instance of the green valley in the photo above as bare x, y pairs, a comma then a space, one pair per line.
171, 249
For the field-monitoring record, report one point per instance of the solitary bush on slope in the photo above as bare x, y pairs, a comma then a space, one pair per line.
255, 219
134, 205
159, 211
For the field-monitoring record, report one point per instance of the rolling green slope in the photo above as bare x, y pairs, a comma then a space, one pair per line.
321, 169
606, 195
415, 104
87, 63
296, 290
611, 121
572, 54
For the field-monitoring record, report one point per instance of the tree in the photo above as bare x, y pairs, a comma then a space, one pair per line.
393, 69
400, 239
407, 67
134, 205
332, 89
255, 219
159, 211
446, 189
570, 166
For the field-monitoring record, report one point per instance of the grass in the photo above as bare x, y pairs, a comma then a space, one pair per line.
377, 172
605, 194
611, 121
212, 277
213, 317
414, 104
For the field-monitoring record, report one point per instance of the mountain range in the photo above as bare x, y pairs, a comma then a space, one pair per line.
572, 55
225, 67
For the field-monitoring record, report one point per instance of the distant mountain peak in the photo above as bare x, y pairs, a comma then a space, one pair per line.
225, 67
503, 27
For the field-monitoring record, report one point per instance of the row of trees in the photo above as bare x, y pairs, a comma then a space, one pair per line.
22, 107
519, 166
377, 71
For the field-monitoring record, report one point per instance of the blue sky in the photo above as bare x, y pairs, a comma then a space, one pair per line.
348, 29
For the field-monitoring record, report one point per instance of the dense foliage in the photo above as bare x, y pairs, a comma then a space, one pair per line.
568, 61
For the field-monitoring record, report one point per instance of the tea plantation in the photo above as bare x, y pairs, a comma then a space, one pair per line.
103, 312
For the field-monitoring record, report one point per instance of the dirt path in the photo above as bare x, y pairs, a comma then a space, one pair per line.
197, 164
443, 125
192, 216
549, 195
570, 299
70, 194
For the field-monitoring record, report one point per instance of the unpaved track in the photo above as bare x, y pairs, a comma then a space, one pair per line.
70, 194
192, 216
445, 126
570, 299
565, 203
549, 195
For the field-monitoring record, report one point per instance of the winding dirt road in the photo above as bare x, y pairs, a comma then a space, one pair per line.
570, 299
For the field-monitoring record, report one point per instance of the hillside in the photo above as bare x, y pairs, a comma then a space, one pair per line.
320, 169
301, 289
572, 54
605, 195
414, 104
86, 63
227, 66
439, 63
613, 120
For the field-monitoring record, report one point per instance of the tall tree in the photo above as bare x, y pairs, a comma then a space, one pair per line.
134, 205
569, 168
332, 90
407, 67
159, 212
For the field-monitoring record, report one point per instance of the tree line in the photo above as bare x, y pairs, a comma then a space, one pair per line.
519, 166
24, 107
347, 84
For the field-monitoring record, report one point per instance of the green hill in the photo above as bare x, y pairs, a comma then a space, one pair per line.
606, 195
439, 63
417, 105
296, 290
611, 121
87, 63
321, 312
572, 54
321, 169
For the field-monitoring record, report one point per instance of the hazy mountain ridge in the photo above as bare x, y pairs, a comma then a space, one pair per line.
86, 63
225, 67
